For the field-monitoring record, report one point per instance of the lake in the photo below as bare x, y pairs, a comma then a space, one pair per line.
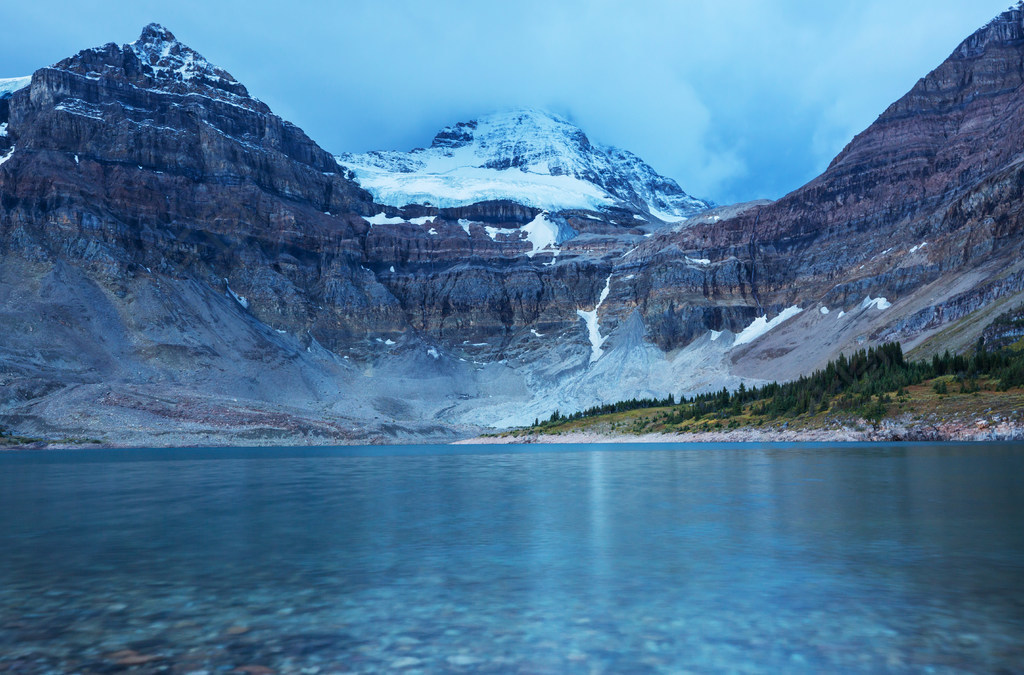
553, 559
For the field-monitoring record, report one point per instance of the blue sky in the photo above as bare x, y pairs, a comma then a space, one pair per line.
736, 101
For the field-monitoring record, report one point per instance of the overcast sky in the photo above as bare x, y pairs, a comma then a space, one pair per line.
735, 100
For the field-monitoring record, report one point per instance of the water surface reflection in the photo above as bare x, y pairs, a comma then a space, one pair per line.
625, 559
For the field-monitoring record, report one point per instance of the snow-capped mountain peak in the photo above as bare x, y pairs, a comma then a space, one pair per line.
157, 61
528, 156
529, 140
163, 57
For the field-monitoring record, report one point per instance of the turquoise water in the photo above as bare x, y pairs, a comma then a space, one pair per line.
582, 559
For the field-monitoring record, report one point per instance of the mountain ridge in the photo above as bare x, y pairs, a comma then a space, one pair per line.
182, 268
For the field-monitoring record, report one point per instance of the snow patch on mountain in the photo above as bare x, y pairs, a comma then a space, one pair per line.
383, 219
762, 325
877, 303
527, 156
495, 232
542, 233
240, 299
593, 327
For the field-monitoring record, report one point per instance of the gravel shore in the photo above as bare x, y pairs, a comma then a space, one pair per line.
893, 431
889, 431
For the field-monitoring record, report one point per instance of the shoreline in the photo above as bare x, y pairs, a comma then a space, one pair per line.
887, 432
891, 433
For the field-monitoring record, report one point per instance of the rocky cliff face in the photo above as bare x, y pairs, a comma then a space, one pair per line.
181, 265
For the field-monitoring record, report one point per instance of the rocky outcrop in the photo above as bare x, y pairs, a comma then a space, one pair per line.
1006, 330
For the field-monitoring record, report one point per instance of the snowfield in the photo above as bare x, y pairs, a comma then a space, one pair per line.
469, 185
541, 233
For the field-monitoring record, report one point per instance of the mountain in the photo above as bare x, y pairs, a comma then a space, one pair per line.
527, 156
180, 265
923, 208
141, 187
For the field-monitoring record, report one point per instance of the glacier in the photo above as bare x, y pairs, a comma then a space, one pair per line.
10, 85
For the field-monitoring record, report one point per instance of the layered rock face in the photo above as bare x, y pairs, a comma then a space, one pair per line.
181, 265
145, 159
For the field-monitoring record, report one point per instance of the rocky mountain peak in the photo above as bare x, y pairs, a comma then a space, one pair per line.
155, 34
171, 64
157, 61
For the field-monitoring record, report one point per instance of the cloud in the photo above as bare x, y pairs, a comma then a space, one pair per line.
735, 100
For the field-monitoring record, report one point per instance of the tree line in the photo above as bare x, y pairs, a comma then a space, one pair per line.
860, 383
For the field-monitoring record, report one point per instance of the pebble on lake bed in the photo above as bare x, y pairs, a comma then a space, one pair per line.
406, 662
130, 657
